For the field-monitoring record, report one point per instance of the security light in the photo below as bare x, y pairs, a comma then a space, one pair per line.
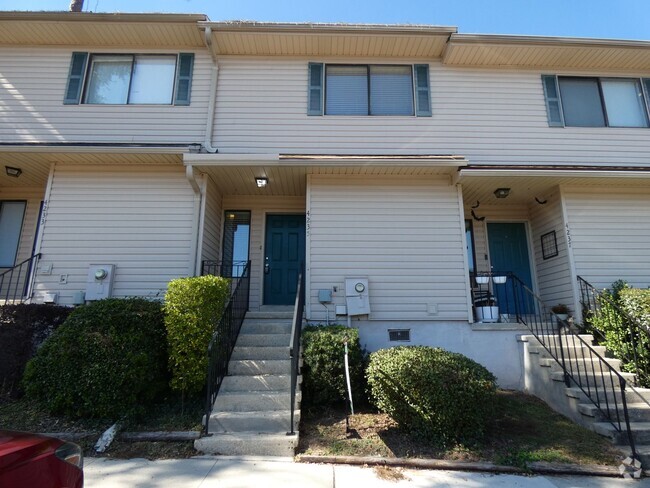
14, 172
261, 181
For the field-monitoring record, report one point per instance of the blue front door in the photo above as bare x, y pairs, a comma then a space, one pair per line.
284, 257
509, 253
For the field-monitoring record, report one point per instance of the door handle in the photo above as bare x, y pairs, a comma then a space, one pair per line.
267, 267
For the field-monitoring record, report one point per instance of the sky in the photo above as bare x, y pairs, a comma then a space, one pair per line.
617, 19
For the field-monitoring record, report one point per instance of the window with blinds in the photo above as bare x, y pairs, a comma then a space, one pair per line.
369, 90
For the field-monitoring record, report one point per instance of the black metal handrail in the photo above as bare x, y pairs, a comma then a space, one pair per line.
599, 305
15, 281
227, 269
581, 364
224, 338
294, 345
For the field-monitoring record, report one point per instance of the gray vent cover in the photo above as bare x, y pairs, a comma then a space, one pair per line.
399, 335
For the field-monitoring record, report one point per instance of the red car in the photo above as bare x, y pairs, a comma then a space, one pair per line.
32, 460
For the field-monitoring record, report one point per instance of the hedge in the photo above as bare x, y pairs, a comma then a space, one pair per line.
437, 395
108, 359
192, 308
323, 367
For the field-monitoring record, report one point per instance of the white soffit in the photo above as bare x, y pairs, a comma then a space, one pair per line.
314, 39
533, 52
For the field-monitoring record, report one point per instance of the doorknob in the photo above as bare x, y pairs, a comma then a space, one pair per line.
267, 268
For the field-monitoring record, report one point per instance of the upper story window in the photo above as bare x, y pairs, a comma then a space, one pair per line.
596, 102
123, 79
380, 90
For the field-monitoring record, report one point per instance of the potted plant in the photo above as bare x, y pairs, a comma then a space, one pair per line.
561, 311
487, 310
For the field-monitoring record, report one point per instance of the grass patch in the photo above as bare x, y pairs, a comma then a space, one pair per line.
170, 415
524, 429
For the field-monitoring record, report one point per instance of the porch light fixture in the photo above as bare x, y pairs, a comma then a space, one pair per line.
502, 192
261, 181
13, 172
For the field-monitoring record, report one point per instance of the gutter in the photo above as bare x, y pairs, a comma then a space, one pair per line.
569, 173
209, 123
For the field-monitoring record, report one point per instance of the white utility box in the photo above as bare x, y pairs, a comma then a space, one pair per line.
357, 296
99, 284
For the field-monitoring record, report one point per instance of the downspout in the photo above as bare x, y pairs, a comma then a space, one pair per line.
209, 124
194, 249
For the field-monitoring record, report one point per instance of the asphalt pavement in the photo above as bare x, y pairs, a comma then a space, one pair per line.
245, 472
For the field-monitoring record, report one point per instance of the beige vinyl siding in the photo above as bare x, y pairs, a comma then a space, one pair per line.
554, 281
137, 218
403, 234
212, 222
487, 116
260, 206
32, 86
610, 234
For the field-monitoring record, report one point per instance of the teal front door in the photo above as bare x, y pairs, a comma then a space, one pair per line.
509, 253
284, 257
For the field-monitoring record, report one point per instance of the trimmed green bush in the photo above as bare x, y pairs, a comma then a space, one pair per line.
323, 372
192, 308
633, 351
437, 395
108, 359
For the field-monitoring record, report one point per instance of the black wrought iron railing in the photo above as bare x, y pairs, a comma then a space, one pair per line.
229, 269
223, 340
294, 346
581, 364
608, 321
15, 281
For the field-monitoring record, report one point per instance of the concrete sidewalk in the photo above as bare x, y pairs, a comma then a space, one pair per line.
245, 472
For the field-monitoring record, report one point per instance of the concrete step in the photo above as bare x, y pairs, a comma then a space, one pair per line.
591, 380
277, 421
572, 351
259, 366
640, 432
554, 339
636, 395
269, 382
246, 340
638, 412
265, 315
248, 444
582, 364
265, 327
260, 352
252, 401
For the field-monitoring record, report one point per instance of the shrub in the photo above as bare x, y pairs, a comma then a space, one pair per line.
23, 328
192, 308
632, 350
108, 359
438, 395
323, 367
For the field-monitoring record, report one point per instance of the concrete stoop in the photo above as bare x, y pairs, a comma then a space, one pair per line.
544, 378
251, 415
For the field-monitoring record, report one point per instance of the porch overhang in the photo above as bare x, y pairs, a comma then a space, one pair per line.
534, 183
419, 160
287, 174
